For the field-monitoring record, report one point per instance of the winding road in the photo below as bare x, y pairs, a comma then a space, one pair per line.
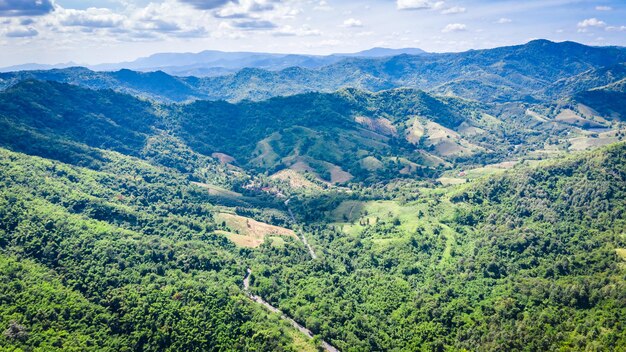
246, 287
301, 236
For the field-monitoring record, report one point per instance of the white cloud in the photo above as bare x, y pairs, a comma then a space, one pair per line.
92, 18
168, 19
22, 33
323, 6
419, 4
352, 23
289, 31
616, 29
590, 22
439, 5
453, 10
504, 20
328, 42
454, 27
245, 8
604, 8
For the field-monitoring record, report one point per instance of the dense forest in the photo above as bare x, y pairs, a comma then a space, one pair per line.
137, 213
526, 261
90, 254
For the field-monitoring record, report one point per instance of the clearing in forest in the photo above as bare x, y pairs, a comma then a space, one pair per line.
295, 179
247, 232
217, 190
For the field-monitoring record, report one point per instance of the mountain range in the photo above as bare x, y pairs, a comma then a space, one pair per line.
537, 71
381, 202
214, 62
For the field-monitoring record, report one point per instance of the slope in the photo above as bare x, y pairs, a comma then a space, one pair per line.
134, 247
525, 260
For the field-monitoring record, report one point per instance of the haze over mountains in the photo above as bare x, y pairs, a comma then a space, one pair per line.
529, 72
213, 62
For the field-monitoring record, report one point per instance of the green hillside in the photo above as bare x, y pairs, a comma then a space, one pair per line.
529, 260
410, 132
532, 256
126, 258
467, 201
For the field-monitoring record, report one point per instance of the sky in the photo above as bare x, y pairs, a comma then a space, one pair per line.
104, 31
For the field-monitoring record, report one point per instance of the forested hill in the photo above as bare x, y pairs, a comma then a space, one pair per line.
530, 260
127, 258
517, 73
133, 257
375, 136
463, 201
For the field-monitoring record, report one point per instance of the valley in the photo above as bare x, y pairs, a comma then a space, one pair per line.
414, 202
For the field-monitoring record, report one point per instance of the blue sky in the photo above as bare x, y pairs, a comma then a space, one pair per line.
97, 31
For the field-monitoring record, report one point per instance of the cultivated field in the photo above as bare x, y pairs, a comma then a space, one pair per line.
247, 232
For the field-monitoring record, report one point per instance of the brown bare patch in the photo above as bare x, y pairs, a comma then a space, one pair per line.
295, 179
415, 132
248, 232
223, 158
338, 175
569, 117
380, 125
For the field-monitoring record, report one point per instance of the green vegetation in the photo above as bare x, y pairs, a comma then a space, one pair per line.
348, 136
393, 220
122, 259
522, 261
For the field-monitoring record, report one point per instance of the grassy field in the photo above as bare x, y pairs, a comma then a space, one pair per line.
296, 180
456, 177
621, 252
394, 223
217, 190
354, 216
449, 181
370, 163
247, 232
266, 154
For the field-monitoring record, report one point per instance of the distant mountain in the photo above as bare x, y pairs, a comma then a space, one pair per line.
214, 63
152, 85
587, 80
522, 73
384, 52
34, 66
